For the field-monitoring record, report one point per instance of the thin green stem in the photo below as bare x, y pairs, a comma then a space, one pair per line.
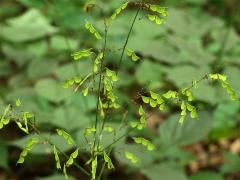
127, 39
103, 166
99, 85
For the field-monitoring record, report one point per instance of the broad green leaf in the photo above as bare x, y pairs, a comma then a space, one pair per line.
232, 163
192, 130
29, 26
62, 43
206, 175
4, 155
164, 172
51, 90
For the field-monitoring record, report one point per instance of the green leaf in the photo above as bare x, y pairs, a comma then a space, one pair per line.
232, 163
62, 43
132, 54
51, 90
29, 145
130, 156
141, 111
94, 167
4, 120
85, 91
4, 155
108, 160
193, 114
153, 103
145, 99
156, 19
18, 103
65, 172
81, 54
170, 94
144, 142
119, 10
58, 165
183, 75
145, 75
27, 27
167, 172
73, 156
173, 133
89, 130
92, 30
43, 148
108, 128
161, 10
206, 175
65, 135
218, 77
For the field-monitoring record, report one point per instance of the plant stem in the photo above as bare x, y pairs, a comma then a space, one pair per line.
99, 85
127, 39
103, 166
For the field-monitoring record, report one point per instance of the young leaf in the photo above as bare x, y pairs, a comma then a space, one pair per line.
71, 158
230, 91
3, 119
107, 159
65, 172
153, 103
94, 167
158, 9
132, 54
65, 135
155, 19
80, 54
141, 111
85, 91
144, 142
108, 128
170, 94
89, 130
119, 10
92, 30
134, 159
218, 77
27, 149
18, 103
135, 124
58, 165
145, 99
162, 107
182, 118
193, 113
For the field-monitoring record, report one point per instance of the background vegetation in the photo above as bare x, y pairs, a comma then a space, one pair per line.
199, 37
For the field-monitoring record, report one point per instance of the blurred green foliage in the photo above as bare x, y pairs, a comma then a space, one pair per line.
199, 37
